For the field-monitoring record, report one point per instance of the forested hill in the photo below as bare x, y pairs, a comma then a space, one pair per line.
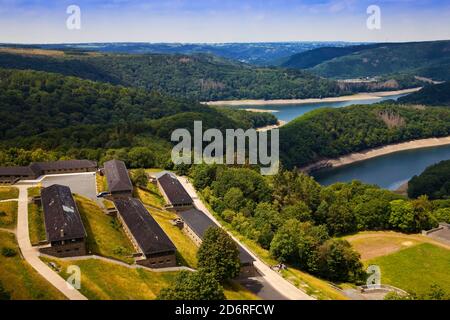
201, 77
312, 58
425, 59
60, 113
433, 95
330, 133
434, 182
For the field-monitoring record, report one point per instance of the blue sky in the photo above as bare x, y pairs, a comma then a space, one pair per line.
38, 21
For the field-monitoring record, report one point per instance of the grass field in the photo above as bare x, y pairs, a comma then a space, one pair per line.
186, 249
373, 244
7, 193
34, 192
19, 279
102, 280
151, 196
234, 291
415, 269
36, 226
8, 214
105, 234
102, 184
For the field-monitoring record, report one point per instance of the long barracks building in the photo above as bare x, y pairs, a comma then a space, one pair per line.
10, 175
153, 245
119, 183
63, 225
173, 192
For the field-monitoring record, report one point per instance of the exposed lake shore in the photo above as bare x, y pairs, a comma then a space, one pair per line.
358, 96
377, 152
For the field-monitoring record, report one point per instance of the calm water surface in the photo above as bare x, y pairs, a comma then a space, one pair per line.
292, 111
389, 171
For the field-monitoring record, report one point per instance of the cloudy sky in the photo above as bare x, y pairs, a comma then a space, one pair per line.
39, 21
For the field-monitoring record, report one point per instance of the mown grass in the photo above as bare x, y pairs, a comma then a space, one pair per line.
105, 236
102, 184
415, 269
149, 196
101, 280
7, 193
186, 248
34, 192
318, 288
8, 214
19, 278
36, 225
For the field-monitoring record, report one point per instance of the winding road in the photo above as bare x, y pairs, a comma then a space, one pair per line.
269, 276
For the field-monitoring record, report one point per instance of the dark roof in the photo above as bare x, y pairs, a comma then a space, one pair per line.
199, 222
65, 164
38, 168
174, 190
16, 171
62, 219
117, 176
149, 236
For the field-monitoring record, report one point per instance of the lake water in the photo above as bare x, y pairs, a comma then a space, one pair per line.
292, 111
389, 171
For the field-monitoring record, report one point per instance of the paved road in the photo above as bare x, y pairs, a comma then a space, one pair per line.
260, 287
31, 254
270, 277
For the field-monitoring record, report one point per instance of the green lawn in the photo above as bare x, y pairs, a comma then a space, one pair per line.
102, 184
415, 269
7, 193
102, 280
8, 214
34, 192
186, 249
36, 226
150, 196
19, 278
105, 234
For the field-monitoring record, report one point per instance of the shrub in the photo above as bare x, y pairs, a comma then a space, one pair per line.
8, 252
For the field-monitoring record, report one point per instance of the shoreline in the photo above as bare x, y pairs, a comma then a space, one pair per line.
377, 152
358, 96
273, 126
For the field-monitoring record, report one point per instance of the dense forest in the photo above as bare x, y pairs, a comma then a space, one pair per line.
298, 220
67, 116
433, 182
425, 59
314, 57
432, 95
201, 77
330, 133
